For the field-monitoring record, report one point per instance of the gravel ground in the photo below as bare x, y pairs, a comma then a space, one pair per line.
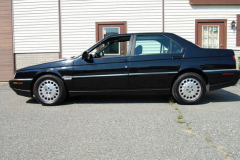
126, 127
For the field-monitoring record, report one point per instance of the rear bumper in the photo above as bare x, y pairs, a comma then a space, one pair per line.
230, 80
221, 85
22, 89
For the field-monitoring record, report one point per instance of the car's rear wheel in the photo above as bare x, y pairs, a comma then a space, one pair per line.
49, 90
189, 88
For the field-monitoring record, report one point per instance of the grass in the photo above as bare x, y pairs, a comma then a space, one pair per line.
239, 63
176, 108
208, 140
171, 101
188, 126
181, 121
180, 116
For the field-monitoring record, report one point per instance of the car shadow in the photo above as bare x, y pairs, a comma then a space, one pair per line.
220, 95
94, 99
101, 99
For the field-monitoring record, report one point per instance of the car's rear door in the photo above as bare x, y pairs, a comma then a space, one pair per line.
154, 62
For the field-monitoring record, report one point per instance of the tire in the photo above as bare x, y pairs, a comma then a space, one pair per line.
49, 90
189, 88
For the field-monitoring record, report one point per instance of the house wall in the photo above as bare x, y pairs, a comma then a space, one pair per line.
36, 30
180, 19
36, 23
79, 17
6, 55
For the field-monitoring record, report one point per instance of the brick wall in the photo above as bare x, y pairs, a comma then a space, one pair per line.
6, 43
29, 59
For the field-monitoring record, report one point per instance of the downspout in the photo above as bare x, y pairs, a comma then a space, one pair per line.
60, 28
162, 15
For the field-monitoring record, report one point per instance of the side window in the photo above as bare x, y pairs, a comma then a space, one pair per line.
155, 44
117, 46
176, 48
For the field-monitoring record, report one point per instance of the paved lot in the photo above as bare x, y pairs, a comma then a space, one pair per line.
126, 127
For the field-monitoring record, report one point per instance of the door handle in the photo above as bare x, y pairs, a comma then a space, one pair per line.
176, 57
122, 60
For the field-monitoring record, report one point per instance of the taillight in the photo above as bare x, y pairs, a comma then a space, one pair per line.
234, 58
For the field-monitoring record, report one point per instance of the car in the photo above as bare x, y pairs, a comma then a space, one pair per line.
139, 63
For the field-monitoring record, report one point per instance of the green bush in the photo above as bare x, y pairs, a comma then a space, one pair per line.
239, 63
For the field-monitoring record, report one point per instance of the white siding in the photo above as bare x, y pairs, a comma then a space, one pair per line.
36, 27
180, 18
79, 17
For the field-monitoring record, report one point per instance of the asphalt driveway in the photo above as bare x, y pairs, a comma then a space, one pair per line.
126, 127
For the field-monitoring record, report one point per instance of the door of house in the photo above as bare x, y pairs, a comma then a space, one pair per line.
104, 29
211, 35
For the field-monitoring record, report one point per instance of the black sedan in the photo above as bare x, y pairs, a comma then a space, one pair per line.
145, 63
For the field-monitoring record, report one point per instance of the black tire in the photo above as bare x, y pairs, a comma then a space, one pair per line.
53, 97
182, 91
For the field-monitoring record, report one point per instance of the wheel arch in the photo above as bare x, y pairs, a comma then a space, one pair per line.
42, 74
194, 70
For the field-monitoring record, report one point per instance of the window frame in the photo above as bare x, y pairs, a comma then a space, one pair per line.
134, 45
117, 55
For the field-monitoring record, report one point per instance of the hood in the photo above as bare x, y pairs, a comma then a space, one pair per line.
53, 64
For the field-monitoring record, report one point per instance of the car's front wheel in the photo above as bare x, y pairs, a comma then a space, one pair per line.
49, 90
189, 88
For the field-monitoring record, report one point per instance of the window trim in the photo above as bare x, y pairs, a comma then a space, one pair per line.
216, 2
224, 21
134, 45
118, 55
237, 30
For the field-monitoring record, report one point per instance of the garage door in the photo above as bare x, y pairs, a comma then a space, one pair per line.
6, 54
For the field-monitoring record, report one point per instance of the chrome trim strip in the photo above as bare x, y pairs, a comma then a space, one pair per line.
67, 78
219, 70
27, 79
22, 90
105, 75
95, 91
132, 74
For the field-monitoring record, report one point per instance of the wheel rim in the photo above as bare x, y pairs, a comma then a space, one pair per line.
48, 91
190, 89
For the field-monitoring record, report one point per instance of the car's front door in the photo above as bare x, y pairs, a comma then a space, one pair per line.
107, 70
154, 62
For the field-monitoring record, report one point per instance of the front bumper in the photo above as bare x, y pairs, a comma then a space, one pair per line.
23, 89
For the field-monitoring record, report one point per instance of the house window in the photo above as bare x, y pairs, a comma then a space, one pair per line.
210, 36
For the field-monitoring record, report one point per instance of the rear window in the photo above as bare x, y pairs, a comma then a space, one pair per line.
176, 48
155, 44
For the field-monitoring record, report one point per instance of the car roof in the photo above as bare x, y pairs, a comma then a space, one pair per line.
129, 34
183, 42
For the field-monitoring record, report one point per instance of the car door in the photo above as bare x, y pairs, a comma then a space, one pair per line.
106, 73
154, 62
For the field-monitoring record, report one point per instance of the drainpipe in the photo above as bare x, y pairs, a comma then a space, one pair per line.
162, 15
60, 28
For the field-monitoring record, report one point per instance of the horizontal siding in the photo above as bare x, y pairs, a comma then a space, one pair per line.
79, 17
36, 26
180, 18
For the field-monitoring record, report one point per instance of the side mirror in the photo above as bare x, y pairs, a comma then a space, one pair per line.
85, 55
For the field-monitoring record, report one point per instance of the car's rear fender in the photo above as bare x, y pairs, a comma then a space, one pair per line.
215, 70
